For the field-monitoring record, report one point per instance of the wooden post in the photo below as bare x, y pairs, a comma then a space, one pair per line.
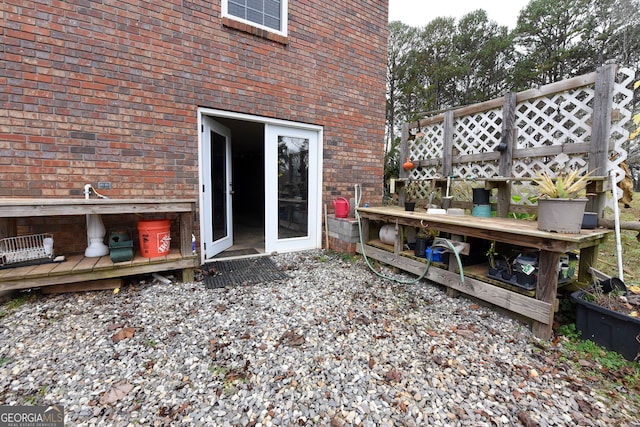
506, 147
453, 266
601, 129
509, 134
364, 222
399, 240
186, 229
404, 153
588, 259
546, 290
447, 149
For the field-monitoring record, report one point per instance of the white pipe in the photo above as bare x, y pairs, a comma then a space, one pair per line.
616, 213
161, 278
95, 230
87, 191
87, 196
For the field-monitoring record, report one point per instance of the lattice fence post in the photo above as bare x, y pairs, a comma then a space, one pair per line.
600, 129
507, 142
404, 152
447, 154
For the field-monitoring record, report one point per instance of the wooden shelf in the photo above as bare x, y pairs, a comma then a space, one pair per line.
537, 304
480, 272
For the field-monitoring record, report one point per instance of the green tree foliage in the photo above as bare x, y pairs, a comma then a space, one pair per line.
484, 57
435, 72
615, 35
550, 35
401, 87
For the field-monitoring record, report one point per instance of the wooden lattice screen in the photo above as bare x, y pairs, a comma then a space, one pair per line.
579, 123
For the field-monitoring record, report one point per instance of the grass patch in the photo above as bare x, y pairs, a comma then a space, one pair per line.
16, 302
595, 364
607, 255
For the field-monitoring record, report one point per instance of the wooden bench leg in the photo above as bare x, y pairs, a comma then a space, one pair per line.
588, 259
188, 275
546, 290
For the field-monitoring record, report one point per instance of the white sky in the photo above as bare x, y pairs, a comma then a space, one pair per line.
418, 13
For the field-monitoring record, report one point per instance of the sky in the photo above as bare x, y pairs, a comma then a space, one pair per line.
418, 13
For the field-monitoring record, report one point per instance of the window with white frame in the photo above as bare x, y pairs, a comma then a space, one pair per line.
267, 14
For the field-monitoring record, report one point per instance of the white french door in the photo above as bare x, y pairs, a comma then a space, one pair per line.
217, 213
292, 211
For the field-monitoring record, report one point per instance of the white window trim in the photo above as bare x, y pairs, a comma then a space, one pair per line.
284, 13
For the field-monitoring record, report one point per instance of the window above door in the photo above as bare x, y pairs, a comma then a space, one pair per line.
270, 15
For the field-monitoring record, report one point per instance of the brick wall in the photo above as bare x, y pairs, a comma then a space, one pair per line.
108, 91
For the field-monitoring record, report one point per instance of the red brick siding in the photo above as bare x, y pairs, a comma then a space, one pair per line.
108, 91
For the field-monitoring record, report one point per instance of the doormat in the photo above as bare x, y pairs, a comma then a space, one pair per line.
246, 271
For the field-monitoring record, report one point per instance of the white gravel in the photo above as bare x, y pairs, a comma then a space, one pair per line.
333, 345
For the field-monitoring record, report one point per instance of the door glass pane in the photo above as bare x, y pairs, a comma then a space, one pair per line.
293, 187
219, 182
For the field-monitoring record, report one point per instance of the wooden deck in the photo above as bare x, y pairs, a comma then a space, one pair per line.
78, 268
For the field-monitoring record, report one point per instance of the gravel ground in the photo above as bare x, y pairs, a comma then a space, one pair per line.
333, 345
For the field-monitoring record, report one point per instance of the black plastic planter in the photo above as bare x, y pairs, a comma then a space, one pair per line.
612, 330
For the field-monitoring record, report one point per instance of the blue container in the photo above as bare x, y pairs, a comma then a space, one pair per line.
436, 254
481, 210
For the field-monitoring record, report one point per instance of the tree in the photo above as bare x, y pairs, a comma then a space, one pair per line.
615, 34
400, 58
437, 75
483, 57
549, 36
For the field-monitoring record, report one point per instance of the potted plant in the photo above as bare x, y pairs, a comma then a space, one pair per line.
411, 193
607, 314
561, 201
491, 256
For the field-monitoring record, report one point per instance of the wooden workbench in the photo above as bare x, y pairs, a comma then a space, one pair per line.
540, 309
78, 268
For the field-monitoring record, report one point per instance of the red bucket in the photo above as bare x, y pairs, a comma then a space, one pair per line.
155, 237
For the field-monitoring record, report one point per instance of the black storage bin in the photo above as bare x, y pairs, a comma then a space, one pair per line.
610, 329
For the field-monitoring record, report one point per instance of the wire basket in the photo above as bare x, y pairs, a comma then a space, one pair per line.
24, 248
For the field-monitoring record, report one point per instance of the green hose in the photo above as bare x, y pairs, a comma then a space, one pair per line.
404, 282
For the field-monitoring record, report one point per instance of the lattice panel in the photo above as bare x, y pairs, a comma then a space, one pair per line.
559, 119
426, 187
425, 172
428, 144
619, 135
523, 193
477, 133
554, 120
470, 170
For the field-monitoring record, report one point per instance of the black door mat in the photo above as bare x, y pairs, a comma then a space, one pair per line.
246, 271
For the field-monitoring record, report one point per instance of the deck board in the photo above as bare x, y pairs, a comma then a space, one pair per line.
77, 268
